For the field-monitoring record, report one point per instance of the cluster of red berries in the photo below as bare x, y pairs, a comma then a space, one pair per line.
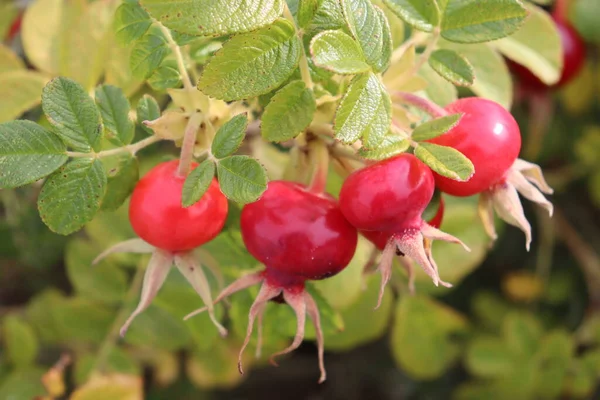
302, 234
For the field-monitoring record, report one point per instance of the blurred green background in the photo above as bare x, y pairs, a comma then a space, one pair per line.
517, 325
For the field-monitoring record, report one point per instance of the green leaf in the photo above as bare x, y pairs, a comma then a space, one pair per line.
421, 337
121, 182
114, 109
288, 113
454, 263
179, 298
214, 17
338, 52
522, 333
159, 329
197, 183
364, 112
131, 22
242, 178
423, 15
20, 342
446, 161
391, 145
81, 321
492, 78
73, 113
232, 72
147, 110
487, 357
167, 76
369, 26
230, 136
537, 46
72, 195
436, 127
467, 21
148, 53
361, 324
103, 283
584, 16
23, 385
19, 92
328, 16
306, 12
439, 90
9, 60
28, 152
453, 67
554, 356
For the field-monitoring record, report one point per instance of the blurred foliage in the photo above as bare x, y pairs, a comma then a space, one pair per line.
516, 326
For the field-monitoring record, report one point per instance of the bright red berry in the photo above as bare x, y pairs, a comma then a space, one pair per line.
390, 196
489, 136
157, 216
298, 235
574, 53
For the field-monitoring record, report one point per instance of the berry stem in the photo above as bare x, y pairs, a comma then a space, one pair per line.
304, 68
421, 103
187, 147
185, 77
428, 50
319, 155
132, 149
561, 10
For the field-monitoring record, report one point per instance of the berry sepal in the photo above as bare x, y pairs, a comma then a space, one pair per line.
413, 245
158, 268
276, 286
525, 178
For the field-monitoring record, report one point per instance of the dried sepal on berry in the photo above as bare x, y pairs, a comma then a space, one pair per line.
137, 246
300, 301
525, 178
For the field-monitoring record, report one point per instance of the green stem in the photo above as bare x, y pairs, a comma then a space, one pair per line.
428, 50
113, 335
304, 68
185, 77
132, 149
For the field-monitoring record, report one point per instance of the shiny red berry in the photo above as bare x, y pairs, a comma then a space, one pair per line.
388, 195
489, 136
157, 216
574, 53
297, 234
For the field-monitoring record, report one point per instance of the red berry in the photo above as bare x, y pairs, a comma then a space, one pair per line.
436, 220
157, 216
298, 233
573, 59
489, 136
389, 195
